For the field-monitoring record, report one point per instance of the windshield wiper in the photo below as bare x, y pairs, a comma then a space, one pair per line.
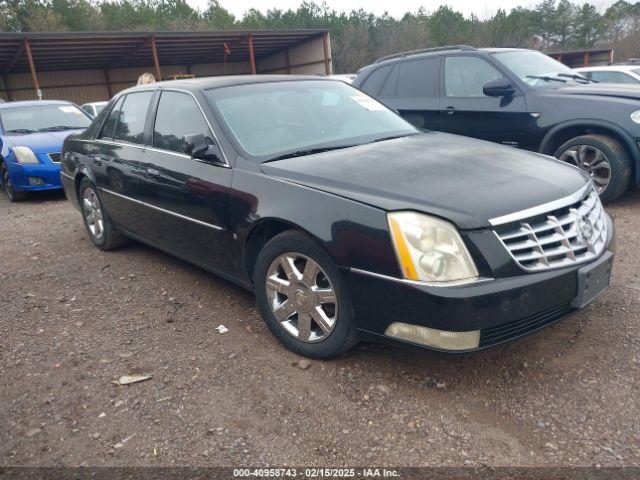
391, 137
547, 78
21, 130
307, 151
58, 128
575, 76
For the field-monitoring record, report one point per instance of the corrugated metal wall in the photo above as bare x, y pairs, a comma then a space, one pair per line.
304, 59
82, 86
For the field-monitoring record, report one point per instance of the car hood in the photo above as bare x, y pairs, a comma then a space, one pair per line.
603, 90
41, 142
464, 180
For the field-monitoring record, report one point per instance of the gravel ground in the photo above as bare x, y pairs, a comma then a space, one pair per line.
74, 319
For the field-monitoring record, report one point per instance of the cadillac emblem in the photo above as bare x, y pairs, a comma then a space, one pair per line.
585, 230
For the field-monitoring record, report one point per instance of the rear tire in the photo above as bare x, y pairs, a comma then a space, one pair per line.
597, 155
101, 229
7, 186
315, 317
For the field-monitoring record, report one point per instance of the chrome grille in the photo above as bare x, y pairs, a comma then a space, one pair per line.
559, 238
54, 157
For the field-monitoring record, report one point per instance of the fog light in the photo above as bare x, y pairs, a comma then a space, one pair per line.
35, 181
432, 337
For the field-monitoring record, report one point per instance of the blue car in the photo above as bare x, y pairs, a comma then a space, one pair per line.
31, 136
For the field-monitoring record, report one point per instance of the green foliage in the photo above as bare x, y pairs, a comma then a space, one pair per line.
358, 36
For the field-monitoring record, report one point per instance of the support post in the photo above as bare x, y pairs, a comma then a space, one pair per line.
287, 61
107, 80
32, 68
325, 45
5, 80
586, 59
156, 63
252, 58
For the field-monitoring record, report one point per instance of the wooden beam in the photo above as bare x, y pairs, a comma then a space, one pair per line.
15, 58
156, 63
32, 68
585, 61
131, 53
108, 82
252, 58
325, 45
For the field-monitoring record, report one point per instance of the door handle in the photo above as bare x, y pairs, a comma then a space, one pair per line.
449, 110
153, 172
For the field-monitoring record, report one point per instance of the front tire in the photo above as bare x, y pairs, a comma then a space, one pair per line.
603, 158
102, 232
8, 187
302, 297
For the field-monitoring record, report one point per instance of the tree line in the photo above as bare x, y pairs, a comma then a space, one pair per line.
358, 36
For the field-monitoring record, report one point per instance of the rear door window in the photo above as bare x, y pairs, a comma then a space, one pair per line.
419, 78
110, 122
132, 118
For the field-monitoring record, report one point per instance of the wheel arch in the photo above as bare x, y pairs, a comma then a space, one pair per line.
574, 128
82, 172
261, 232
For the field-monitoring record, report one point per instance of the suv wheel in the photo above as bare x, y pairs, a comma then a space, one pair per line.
302, 297
101, 230
8, 187
603, 158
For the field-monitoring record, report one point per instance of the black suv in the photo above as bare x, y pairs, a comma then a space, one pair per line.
516, 97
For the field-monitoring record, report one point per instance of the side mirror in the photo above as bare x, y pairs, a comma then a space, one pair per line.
498, 88
201, 147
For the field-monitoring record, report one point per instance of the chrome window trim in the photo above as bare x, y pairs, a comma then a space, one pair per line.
169, 212
544, 208
142, 147
421, 283
151, 147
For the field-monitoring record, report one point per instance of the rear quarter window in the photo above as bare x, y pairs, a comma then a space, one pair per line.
373, 83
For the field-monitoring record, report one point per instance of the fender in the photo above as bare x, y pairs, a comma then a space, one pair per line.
588, 122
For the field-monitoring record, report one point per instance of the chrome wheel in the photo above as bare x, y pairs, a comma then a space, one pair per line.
93, 213
593, 161
301, 297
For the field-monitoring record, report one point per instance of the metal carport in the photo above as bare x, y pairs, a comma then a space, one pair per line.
92, 66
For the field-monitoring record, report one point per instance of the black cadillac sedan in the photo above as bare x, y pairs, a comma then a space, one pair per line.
346, 221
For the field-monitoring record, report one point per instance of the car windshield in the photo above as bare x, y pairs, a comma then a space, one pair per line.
45, 118
99, 107
276, 119
538, 69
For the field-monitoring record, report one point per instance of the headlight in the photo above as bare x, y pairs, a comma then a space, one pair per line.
430, 249
25, 155
635, 116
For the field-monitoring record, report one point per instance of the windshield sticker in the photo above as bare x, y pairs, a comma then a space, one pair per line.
68, 109
368, 103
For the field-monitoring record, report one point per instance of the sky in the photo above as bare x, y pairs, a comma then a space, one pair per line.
481, 8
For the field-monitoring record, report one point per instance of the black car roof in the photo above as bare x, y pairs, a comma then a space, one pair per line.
206, 83
436, 52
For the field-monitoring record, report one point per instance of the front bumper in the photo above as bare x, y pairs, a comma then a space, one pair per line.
502, 308
23, 175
